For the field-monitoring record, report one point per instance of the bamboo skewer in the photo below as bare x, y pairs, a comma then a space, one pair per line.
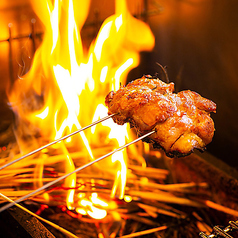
56, 141
61, 229
146, 232
75, 171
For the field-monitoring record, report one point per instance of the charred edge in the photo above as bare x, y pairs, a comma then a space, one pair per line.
154, 144
179, 154
174, 154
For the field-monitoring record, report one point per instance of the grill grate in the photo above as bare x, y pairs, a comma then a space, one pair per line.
222, 232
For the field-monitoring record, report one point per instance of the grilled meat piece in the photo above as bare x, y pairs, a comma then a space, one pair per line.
182, 121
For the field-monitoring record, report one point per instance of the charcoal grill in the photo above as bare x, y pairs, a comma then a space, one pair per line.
199, 167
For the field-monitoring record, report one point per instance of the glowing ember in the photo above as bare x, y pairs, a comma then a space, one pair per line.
66, 87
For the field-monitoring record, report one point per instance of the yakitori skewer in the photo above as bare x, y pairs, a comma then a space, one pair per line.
75, 171
55, 141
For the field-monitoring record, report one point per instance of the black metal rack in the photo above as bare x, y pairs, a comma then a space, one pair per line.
222, 232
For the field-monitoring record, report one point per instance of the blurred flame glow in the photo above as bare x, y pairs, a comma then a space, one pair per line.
72, 83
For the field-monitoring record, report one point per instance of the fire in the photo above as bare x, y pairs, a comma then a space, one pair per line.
66, 87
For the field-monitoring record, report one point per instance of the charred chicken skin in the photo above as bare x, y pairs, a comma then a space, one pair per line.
181, 121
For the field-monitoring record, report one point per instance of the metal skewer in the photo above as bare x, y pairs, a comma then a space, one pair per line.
75, 171
56, 141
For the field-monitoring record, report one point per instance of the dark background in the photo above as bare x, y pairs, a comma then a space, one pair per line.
197, 41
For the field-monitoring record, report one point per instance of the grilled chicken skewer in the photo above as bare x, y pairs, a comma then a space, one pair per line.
182, 121
178, 123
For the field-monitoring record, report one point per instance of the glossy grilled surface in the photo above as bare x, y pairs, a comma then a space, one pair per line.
182, 121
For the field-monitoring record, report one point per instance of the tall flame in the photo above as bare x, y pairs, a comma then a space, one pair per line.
67, 84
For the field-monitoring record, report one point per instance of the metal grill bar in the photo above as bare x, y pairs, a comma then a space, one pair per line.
203, 235
233, 224
219, 232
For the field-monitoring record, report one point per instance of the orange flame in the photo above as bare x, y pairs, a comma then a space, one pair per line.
67, 84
